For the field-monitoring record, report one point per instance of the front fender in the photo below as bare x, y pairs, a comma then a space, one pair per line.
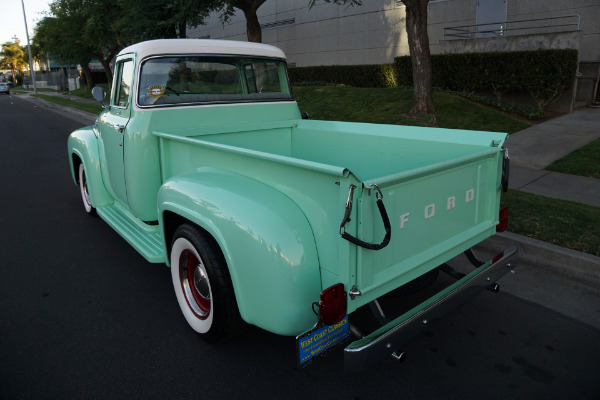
83, 144
266, 240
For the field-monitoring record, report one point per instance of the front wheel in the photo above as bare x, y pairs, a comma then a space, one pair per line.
203, 285
85, 195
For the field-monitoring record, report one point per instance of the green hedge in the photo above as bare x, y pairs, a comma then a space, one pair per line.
545, 74
377, 76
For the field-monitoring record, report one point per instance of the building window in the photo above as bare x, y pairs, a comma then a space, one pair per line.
278, 24
399, 3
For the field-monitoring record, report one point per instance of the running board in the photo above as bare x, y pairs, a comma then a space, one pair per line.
146, 239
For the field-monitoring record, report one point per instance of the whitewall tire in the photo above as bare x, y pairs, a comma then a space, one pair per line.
203, 285
85, 194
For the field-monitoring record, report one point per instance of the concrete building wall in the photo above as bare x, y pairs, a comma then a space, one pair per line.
588, 10
375, 32
327, 34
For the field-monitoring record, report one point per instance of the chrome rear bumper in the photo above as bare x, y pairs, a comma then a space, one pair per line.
365, 352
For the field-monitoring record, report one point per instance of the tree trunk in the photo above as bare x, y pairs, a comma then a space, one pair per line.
107, 71
418, 43
88, 76
253, 29
183, 30
249, 7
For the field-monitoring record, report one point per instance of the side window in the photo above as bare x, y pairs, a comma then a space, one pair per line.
262, 77
125, 81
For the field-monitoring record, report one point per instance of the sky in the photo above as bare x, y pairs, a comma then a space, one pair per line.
12, 24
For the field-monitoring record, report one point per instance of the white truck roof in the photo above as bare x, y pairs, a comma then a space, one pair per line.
202, 46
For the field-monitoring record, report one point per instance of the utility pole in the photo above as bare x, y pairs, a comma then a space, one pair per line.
31, 70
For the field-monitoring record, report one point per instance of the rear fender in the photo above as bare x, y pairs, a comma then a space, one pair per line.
266, 240
83, 147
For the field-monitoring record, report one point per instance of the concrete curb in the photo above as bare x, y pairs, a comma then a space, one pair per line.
580, 267
81, 116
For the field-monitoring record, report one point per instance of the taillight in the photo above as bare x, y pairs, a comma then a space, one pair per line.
333, 304
497, 257
503, 218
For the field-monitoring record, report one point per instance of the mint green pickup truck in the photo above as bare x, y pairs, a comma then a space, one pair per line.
202, 160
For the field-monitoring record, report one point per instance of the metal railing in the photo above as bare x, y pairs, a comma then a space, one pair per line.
560, 24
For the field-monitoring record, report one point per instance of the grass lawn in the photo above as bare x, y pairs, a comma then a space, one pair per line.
21, 89
85, 93
93, 108
584, 161
391, 106
560, 222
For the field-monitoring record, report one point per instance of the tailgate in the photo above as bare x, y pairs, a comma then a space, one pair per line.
435, 212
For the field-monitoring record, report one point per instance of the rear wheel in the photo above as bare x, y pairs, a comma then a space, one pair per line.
83, 188
203, 285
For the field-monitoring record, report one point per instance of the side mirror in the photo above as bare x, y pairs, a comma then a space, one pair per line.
99, 94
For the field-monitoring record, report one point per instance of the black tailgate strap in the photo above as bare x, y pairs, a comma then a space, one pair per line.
384, 218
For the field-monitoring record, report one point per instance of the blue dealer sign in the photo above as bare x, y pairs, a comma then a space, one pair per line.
317, 341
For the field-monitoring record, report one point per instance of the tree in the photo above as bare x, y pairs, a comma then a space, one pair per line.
418, 43
13, 57
249, 8
153, 19
82, 30
59, 37
78, 31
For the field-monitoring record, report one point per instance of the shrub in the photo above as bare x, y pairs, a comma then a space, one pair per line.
544, 74
379, 76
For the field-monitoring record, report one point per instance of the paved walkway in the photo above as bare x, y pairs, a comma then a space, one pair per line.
534, 148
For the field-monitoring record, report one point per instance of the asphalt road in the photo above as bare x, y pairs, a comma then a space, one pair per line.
83, 316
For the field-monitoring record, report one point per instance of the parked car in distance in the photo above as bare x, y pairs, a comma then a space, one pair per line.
4, 87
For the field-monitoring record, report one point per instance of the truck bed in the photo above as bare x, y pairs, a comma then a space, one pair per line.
350, 146
440, 188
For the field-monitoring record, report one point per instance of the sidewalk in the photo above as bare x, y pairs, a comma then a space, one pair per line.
84, 117
533, 149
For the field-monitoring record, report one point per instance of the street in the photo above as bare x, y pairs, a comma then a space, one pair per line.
84, 316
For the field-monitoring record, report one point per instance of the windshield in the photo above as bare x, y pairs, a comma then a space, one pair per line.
210, 79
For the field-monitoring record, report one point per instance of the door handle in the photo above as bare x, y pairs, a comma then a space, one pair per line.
120, 128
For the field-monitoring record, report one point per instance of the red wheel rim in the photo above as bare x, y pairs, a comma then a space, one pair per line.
195, 284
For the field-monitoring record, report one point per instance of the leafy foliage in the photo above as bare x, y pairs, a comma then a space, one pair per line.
375, 76
13, 57
545, 74
78, 31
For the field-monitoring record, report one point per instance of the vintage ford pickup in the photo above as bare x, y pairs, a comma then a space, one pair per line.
202, 160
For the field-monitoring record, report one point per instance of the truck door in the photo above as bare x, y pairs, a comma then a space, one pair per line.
113, 128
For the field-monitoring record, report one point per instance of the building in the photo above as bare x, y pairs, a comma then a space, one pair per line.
375, 32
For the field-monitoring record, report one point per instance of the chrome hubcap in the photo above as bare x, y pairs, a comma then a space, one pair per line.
195, 284
201, 282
